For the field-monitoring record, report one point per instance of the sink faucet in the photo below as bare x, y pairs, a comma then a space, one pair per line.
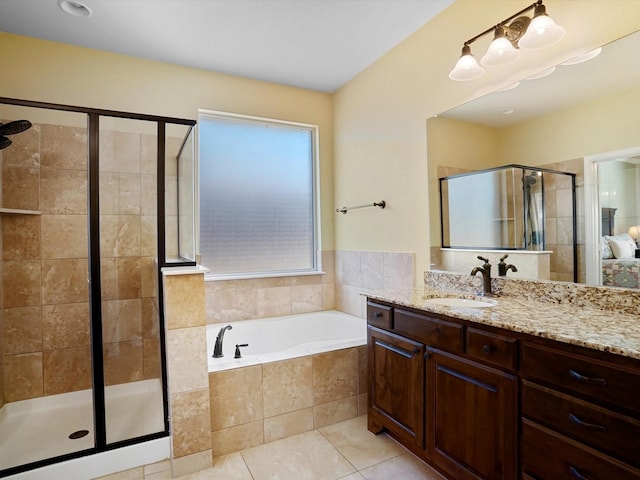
217, 349
503, 268
486, 274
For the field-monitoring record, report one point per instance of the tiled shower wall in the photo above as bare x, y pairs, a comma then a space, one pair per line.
558, 225
45, 322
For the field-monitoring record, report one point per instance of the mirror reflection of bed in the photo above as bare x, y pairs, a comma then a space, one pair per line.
620, 255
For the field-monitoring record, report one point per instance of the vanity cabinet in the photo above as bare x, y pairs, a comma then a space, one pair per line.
396, 386
472, 418
483, 403
579, 416
448, 405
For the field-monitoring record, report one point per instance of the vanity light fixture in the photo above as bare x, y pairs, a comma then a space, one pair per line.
523, 32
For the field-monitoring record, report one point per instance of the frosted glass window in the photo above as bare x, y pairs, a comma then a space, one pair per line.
257, 196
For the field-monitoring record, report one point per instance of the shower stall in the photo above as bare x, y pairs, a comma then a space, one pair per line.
93, 204
512, 207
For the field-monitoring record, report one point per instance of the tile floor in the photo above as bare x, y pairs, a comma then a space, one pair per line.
345, 451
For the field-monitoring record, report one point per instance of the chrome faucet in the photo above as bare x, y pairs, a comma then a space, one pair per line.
217, 349
486, 274
503, 268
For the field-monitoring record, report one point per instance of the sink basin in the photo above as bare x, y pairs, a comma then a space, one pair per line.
460, 302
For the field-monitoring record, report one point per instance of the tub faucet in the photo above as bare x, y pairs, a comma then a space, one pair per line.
486, 274
503, 268
217, 349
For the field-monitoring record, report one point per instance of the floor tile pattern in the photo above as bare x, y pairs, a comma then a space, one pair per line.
344, 451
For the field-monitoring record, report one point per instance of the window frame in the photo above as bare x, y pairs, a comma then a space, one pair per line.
316, 269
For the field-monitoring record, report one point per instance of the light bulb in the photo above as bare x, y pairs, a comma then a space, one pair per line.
500, 51
542, 31
467, 68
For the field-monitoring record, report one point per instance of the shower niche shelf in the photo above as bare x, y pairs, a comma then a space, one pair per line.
17, 211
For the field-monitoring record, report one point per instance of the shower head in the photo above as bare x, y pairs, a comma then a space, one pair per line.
11, 128
530, 179
17, 126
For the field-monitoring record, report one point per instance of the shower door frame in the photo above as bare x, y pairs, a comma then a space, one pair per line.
95, 293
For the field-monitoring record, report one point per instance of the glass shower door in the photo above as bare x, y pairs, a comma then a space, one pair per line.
129, 279
45, 341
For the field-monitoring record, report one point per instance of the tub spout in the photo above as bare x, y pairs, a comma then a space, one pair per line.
217, 349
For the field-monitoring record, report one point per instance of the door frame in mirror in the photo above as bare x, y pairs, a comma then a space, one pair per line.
592, 220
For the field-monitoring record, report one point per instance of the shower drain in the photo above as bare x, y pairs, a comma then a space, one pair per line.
79, 434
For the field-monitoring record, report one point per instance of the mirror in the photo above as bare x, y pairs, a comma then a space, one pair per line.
571, 120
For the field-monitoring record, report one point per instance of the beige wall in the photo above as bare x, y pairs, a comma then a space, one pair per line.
380, 141
463, 145
58, 73
603, 125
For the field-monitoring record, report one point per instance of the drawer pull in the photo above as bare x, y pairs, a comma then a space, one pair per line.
593, 426
584, 379
398, 350
574, 471
486, 349
377, 315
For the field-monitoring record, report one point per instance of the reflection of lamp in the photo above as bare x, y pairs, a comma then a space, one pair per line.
634, 232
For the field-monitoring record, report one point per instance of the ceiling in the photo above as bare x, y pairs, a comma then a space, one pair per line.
313, 44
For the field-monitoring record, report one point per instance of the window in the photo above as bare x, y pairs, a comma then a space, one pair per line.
258, 196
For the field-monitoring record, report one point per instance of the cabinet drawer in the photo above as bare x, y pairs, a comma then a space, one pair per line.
547, 455
379, 315
577, 374
491, 348
608, 431
430, 331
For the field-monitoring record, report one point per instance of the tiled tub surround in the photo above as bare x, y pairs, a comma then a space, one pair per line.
358, 271
234, 300
599, 318
347, 274
294, 376
187, 369
262, 403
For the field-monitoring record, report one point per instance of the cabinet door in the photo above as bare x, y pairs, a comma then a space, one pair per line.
471, 418
396, 390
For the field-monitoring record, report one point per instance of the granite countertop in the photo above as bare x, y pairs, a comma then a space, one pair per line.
586, 326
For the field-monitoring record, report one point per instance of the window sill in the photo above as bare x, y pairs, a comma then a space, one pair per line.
210, 277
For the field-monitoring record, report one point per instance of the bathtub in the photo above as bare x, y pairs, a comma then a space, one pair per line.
280, 338
298, 373
40, 427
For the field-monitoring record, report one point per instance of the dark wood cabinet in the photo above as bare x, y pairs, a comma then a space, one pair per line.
396, 388
484, 403
471, 410
579, 416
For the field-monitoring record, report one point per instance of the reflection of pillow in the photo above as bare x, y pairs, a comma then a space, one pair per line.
621, 248
605, 249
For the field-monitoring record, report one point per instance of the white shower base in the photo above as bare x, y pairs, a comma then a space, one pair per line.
39, 428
